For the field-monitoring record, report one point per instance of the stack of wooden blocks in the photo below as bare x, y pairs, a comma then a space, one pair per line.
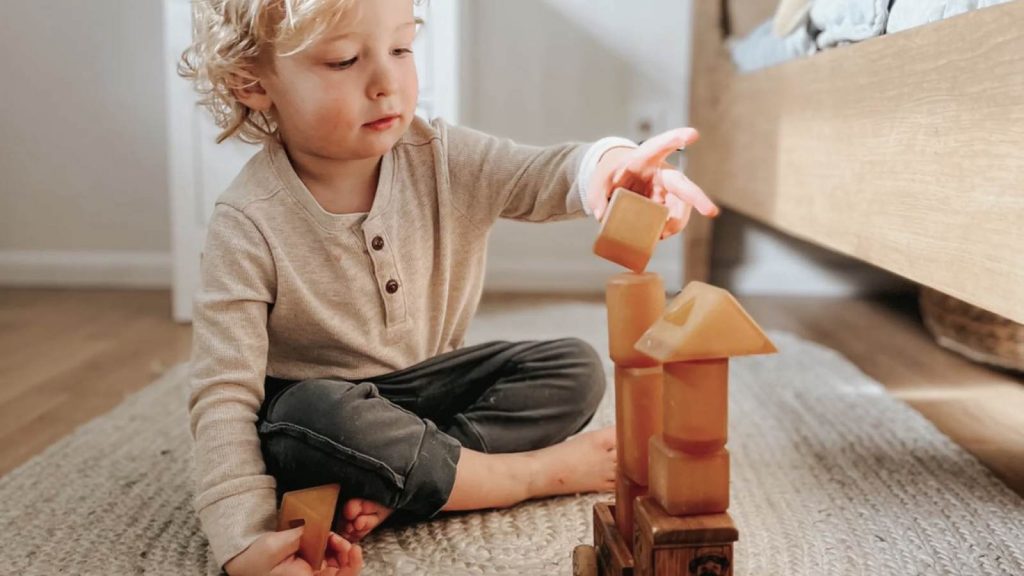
671, 394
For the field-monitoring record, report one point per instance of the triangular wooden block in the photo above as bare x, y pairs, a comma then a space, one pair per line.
314, 506
702, 323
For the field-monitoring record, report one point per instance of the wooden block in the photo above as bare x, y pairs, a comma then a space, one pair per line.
626, 492
696, 412
638, 417
634, 302
315, 507
686, 484
613, 556
631, 229
584, 560
682, 545
703, 323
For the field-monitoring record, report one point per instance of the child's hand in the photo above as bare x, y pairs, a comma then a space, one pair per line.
343, 558
644, 171
276, 554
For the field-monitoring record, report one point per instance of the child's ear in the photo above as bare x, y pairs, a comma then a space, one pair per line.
248, 90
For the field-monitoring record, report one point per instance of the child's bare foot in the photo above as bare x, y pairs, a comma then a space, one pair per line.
583, 463
362, 516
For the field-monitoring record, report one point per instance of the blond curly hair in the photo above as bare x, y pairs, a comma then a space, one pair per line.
230, 36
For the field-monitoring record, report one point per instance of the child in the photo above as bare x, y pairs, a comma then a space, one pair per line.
341, 270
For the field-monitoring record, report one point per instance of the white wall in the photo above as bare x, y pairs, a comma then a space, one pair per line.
545, 71
548, 71
83, 164
83, 178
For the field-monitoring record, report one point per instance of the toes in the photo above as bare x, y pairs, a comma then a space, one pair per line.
363, 523
353, 508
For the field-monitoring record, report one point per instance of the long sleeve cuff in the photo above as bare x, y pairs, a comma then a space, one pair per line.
589, 164
232, 524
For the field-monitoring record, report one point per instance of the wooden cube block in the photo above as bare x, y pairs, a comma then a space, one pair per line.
315, 507
667, 545
696, 397
626, 492
638, 417
631, 229
613, 555
686, 484
634, 302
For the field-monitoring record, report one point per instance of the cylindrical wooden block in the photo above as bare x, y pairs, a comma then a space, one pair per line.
634, 302
638, 409
696, 405
626, 491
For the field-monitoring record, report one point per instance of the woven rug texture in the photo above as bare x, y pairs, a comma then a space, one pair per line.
830, 476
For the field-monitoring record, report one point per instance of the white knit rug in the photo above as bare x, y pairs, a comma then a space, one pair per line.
831, 476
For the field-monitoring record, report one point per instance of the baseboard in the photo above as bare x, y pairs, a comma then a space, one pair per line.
85, 269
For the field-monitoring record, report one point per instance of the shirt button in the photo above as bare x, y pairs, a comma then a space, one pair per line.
391, 286
377, 243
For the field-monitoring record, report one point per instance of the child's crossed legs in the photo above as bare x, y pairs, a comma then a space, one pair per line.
480, 427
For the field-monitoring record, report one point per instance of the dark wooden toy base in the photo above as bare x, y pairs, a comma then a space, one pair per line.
663, 545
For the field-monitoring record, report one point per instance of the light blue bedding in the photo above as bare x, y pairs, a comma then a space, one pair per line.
835, 22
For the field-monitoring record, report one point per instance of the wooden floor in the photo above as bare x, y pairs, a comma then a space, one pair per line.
69, 356
980, 409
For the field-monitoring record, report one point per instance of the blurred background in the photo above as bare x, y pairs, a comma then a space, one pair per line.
109, 171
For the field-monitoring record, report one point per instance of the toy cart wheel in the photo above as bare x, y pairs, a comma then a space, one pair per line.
584, 561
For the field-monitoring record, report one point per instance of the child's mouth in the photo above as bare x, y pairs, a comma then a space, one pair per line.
383, 124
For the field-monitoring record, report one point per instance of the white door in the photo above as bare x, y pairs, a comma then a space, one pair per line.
200, 169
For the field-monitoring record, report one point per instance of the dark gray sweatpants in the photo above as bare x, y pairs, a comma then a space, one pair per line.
395, 439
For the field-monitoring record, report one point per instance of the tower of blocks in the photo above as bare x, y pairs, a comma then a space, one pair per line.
671, 410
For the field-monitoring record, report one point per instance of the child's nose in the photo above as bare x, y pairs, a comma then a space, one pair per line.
383, 83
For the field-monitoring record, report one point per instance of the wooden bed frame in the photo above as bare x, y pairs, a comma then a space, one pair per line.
905, 151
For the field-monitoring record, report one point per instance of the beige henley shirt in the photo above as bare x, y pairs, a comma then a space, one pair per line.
292, 291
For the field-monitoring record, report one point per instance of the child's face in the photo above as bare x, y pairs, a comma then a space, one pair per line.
353, 93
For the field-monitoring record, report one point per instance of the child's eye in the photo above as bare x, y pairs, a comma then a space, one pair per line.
343, 64
401, 51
